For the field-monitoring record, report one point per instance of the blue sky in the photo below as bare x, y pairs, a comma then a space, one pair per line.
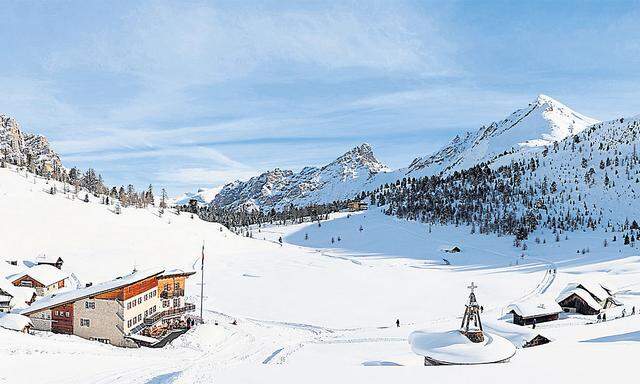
187, 94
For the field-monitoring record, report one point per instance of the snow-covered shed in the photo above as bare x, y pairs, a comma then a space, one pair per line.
15, 297
534, 310
15, 322
586, 298
44, 278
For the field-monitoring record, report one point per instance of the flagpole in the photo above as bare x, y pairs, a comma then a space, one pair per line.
202, 283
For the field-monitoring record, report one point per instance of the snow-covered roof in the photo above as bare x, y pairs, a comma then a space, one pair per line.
536, 306
177, 272
516, 334
44, 274
600, 292
14, 321
583, 294
19, 295
453, 347
78, 294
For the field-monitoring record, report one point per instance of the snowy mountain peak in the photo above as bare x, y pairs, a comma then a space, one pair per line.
541, 123
361, 157
341, 179
544, 99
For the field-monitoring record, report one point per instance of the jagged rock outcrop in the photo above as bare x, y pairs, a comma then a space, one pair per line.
25, 149
341, 179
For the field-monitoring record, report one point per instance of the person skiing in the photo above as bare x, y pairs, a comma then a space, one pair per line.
398, 323
633, 310
599, 318
604, 317
534, 324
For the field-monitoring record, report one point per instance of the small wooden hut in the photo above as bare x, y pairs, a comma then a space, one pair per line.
534, 311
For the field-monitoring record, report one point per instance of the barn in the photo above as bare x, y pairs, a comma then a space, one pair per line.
586, 298
535, 310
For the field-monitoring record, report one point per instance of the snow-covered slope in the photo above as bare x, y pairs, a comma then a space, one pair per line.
339, 180
309, 310
541, 123
21, 148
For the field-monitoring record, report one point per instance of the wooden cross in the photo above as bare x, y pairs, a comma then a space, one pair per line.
472, 287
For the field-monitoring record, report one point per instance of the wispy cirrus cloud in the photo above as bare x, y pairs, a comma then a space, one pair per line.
172, 44
203, 175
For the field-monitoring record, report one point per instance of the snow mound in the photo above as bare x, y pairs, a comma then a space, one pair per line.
14, 322
453, 347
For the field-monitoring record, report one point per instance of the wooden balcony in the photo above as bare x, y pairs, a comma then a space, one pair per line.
151, 320
171, 294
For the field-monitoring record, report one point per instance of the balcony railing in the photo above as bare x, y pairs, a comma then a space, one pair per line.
172, 293
150, 320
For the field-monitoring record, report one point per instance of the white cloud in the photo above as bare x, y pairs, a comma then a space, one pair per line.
203, 176
174, 153
172, 44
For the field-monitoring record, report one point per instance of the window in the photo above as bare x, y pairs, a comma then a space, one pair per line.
176, 286
66, 314
85, 322
90, 305
129, 323
176, 302
55, 313
140, 317
166, 286
139, 300
26, 283
165, 303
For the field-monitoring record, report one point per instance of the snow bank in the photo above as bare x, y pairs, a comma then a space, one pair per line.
14, 322
455, 348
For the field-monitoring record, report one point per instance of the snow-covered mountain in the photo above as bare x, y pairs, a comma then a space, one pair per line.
541, 123
341, 179
586, 181
526, 131
203, 196
24, 148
